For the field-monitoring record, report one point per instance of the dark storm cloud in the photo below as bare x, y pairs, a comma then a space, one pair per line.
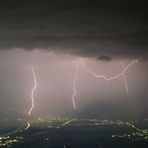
82, 27
105, 58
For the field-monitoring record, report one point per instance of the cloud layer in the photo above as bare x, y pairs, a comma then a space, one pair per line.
81, 27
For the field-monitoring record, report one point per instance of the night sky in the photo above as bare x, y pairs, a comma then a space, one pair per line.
52, 35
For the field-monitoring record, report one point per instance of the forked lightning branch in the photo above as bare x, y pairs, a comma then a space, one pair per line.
86, 69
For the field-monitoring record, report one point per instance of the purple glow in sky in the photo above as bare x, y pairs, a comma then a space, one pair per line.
60, 82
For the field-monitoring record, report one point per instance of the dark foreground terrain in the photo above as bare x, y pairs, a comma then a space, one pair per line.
74, 133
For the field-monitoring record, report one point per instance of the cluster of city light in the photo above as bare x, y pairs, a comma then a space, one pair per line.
138, 134
7, 141
134, 134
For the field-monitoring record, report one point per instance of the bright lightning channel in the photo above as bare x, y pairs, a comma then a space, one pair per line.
125, 80
122, 73
32, 91
74, 87
125, 83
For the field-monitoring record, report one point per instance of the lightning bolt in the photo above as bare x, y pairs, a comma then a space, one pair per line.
74, 87
33, 90
125, 80
122, 73
110, 78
